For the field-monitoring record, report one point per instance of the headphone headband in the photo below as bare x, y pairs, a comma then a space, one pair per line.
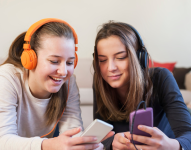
39, 23
137, 34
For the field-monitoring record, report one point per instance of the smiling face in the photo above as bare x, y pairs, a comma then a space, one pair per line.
55, 65
113, 62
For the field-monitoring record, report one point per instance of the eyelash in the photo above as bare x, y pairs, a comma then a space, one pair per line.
117, 58
56, 62
121, 58
102, 60
53, 62
70, 63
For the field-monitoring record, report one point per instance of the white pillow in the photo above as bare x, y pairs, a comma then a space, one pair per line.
187, 81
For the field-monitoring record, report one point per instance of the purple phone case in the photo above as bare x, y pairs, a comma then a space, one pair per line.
143, 117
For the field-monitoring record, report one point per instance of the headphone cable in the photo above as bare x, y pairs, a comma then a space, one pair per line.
134, 120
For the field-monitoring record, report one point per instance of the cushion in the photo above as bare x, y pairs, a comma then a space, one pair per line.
186, 96
188, 81
167, 65
179, 75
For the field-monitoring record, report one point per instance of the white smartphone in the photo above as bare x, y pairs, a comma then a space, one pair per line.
97, 128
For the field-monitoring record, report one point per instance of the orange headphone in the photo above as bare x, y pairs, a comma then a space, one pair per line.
28, 57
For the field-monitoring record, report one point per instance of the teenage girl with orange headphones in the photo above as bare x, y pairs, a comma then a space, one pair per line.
38, 90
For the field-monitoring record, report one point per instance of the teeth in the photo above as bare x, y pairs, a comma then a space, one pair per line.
58, 79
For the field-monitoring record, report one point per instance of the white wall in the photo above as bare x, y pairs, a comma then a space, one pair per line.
165, 25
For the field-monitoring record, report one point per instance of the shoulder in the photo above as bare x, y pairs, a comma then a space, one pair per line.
71, 81
73, 88
10, 70
10, 79
11, 75
160, 74
164, 82
162, 77
161, 71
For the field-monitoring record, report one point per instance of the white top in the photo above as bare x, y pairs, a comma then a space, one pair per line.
22, 120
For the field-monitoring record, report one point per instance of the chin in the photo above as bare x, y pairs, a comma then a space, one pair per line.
54, 90
114, 85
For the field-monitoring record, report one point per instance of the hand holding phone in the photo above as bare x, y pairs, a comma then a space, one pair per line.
97, 128
142, 117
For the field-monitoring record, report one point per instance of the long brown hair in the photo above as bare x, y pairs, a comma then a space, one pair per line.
140, 85
58, 100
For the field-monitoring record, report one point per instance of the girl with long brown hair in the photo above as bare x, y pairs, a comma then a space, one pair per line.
122, 80
34, 93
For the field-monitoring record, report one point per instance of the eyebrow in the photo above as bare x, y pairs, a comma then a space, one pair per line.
114, 54
60, 56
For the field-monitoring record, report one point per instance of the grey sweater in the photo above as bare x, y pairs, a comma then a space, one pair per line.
22, 120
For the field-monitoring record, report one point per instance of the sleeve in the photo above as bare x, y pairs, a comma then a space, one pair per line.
9, 138
72, 115
175, 108
108, 142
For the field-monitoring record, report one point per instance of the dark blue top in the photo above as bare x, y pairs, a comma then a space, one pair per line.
169, 110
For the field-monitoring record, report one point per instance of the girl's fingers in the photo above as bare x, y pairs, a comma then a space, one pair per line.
82, 140
150, 130
157, 128
123, 140
72, 132
100, 147
118, 145
143, 139
120, 142
127, 134
139, 147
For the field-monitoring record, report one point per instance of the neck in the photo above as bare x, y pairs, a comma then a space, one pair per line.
35, 89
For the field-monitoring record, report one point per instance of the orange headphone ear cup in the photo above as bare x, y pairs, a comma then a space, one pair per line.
76, 60
29, 59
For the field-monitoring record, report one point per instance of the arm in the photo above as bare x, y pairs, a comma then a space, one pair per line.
175, 108
158, 140
9, 137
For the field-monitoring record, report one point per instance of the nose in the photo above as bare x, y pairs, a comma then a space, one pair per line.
112, 65
62, 69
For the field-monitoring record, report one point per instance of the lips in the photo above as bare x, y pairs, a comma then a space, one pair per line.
56, 79
115, 77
